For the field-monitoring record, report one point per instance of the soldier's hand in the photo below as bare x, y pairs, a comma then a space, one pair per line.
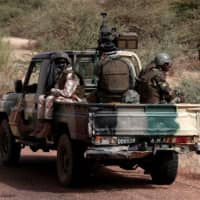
178, 96
55, 92
75, 97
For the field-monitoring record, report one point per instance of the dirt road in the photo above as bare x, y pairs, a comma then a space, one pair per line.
35, 178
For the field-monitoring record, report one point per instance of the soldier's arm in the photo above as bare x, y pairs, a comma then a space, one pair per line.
172, 96
164, 87
71, 84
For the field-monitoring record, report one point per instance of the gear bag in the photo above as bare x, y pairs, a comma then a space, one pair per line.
115, 76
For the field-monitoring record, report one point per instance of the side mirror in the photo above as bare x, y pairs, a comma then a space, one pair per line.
18, 86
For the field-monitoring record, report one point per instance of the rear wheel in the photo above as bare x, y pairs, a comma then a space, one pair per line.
164, 168
9, 149
65, 161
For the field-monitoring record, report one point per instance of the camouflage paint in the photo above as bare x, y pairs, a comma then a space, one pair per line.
8, 101
161, 119
130, 120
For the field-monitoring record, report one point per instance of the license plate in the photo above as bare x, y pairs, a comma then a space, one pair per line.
126, 140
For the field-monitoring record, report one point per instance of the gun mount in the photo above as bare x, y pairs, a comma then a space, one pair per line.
111, 40
106, 41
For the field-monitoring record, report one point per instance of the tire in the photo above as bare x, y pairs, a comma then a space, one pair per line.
65, 161
164, 168
9, 149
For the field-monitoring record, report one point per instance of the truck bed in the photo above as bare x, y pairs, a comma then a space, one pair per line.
131, 119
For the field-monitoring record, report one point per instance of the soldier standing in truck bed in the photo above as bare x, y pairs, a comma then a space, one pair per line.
152, 85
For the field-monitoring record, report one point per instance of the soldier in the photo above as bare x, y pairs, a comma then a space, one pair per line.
67, 89
115, 81
151, 83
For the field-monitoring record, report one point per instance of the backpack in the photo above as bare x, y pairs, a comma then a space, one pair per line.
115, 76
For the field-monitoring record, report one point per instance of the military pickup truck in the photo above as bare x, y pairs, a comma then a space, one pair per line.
86, 134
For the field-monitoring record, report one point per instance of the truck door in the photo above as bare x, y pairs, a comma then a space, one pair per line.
22, 115
30, 96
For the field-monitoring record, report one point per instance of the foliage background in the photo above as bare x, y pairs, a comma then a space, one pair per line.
162, 25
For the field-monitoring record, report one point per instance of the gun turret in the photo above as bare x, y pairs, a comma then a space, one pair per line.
110, 40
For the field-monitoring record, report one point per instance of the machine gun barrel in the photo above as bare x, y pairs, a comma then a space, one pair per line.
105, 41
104, 15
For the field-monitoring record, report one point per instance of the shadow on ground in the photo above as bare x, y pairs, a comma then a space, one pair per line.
38, 173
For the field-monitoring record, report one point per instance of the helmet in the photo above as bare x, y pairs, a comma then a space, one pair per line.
61, 56
60, 60
162, 58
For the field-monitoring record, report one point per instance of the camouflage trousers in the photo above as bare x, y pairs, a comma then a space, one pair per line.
45, 105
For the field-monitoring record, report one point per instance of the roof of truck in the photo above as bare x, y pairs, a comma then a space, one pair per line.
47, 55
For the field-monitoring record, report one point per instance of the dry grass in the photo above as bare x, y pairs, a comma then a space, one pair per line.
13, 64
74, 24
189, 163
185, 76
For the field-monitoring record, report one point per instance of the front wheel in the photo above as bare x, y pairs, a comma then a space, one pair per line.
164, 168
9, 149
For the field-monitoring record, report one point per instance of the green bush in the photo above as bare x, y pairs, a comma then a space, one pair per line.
5, 72
191, 89
8, 13
187, 17
64, 25
73, 24
4, 54
13, 9
186, 8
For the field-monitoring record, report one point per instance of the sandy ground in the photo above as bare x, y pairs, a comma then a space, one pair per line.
35, 178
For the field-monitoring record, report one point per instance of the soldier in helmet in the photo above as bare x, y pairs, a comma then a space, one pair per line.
152, 85
68, 87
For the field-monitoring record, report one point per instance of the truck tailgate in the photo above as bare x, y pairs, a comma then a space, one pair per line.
162, 119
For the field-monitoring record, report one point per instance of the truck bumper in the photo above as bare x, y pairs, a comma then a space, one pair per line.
121, 152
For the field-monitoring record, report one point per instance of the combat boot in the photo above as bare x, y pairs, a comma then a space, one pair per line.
45, 131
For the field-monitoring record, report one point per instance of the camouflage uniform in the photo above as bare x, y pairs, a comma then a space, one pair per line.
115, 81
152, 85
67, 89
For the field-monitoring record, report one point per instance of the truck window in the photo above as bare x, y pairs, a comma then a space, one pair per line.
34, 75
85, 67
